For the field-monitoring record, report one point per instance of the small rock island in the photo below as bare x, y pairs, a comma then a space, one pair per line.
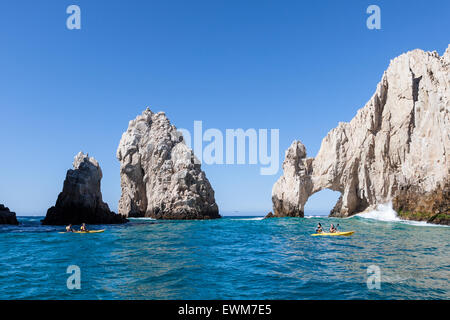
6, 216
159, 174
81, 199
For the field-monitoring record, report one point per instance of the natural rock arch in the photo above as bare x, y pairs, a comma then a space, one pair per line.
394, 149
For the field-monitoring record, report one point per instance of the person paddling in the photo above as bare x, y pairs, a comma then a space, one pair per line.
319, 228
332, 229
69, 228
83, 228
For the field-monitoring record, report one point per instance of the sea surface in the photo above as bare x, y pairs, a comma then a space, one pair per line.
229, 258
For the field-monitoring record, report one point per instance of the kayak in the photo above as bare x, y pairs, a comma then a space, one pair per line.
347, 233
90, 231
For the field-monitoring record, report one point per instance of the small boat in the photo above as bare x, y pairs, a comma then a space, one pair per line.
89, 231
347, 233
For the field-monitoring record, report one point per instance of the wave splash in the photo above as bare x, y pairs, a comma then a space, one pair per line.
250, 219
383, 212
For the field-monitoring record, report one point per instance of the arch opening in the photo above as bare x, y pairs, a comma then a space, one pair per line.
321, 203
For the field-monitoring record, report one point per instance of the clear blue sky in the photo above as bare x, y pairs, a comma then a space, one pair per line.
300, 66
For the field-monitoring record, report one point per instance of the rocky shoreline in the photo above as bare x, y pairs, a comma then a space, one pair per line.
431, 207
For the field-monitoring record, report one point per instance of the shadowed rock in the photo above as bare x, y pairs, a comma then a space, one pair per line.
160, 176
269, 215
6, 216
81, 198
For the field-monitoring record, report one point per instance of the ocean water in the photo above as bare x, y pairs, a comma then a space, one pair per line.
229, 258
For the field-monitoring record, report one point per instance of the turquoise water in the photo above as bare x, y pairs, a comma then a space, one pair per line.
230, 258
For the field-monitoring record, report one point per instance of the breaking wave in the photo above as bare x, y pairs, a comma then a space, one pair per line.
384, 212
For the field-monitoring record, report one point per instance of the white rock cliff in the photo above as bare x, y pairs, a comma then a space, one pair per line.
159, 177
396, 148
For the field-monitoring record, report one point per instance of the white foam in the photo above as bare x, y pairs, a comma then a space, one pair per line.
383, 212
257, 218
141, 219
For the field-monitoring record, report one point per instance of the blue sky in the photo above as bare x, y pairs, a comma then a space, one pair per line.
297, 66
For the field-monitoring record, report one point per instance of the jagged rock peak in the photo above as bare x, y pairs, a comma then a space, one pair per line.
160, 176
398, 141
291, 190
81, 198
446, 56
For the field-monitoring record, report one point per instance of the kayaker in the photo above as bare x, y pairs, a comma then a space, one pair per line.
69, 228
332, 229
319, 228
83, 227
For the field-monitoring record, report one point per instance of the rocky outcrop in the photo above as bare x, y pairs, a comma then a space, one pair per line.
6, 216
292, 190
269, 215
433, 207
81, 198
396, 148
160, 176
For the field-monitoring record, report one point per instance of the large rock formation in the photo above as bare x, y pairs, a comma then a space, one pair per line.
160, 176
6, 216
81, 198
396, 148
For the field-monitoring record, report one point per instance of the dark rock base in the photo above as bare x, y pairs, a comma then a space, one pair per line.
65, 216
183, 215
7, 217
282, 209
432, 207
269, 215
336, 211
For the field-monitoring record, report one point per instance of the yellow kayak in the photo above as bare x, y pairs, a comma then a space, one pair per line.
90, 231
347, 233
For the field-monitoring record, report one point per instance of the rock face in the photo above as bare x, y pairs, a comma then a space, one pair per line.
81, 198
291, 191
396, 148
433, 207
159, 174
269, 215
6, 216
